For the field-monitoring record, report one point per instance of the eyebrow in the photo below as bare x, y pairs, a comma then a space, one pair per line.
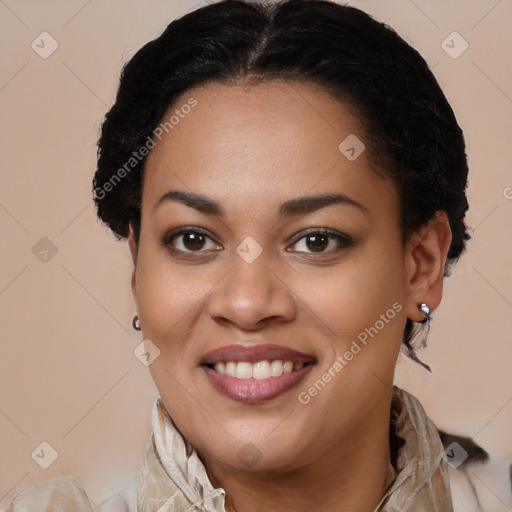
292, 207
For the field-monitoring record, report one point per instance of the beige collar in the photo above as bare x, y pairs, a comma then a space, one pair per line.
422, 483
172, 481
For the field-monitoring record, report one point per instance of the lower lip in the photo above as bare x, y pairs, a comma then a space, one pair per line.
252, 391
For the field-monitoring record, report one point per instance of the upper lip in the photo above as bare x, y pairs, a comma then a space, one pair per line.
255, 353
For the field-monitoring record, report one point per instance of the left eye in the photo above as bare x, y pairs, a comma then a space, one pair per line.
318, 242
191, 241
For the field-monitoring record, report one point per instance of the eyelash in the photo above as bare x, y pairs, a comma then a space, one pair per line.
343, 240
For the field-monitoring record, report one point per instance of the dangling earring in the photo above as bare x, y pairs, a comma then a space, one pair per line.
425, 309
411, 351
136, 323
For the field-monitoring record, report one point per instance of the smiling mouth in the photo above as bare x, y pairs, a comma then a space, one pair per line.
255, 383
255, 373
261, 370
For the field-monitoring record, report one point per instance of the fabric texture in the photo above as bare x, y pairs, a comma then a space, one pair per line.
171, 481
422, 484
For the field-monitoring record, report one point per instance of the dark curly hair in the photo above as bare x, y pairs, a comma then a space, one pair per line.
411, 131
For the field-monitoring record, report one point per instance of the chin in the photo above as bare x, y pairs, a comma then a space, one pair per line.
250, 457
259, 450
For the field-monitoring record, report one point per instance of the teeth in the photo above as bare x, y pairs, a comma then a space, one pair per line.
287, 367
231, 369
276, 368
260, 370
243, 370
221, 368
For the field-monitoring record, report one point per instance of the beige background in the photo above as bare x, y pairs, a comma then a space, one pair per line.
68, 375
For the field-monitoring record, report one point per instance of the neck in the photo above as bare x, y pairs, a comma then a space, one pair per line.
353, 475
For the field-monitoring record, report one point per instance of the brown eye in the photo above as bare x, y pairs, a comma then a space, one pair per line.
322, 242
189, 241
193, 241
317, 243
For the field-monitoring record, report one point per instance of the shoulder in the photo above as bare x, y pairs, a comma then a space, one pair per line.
60, 494
57, 494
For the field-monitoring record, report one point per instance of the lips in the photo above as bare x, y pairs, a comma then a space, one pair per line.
263, 386
254, 354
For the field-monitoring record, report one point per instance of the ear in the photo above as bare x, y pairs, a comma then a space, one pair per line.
426, 256
133, 245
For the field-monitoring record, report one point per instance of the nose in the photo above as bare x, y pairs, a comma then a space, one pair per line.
252, 295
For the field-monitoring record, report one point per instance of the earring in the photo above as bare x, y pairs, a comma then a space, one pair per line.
136, 323
425, 309
416, 330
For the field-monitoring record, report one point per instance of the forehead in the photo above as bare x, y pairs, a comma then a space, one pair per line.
276, 139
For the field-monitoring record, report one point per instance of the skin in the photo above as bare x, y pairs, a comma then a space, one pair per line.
250, 149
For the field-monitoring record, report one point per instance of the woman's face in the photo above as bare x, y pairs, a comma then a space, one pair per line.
231, 269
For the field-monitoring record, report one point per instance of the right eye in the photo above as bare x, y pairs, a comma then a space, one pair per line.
189, 240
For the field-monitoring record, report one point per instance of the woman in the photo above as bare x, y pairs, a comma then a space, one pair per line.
291, 182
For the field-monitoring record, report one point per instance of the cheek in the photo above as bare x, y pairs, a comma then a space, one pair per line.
361, 303
350, 297
168, 298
